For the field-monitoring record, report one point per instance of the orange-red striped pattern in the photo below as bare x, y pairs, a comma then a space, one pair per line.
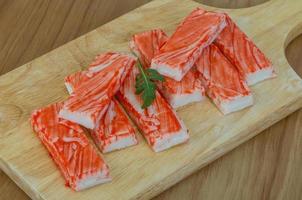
93, 96
155, 122
241, 51
222, 80
114, 126
68, 146
181, 51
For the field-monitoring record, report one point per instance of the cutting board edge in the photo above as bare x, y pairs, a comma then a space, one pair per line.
19, 181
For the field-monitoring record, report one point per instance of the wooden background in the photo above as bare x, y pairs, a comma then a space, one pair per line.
266, 167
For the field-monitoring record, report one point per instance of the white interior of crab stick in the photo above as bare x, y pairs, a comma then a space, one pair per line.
260, 75
236, 104
169, 140
92, 180
179, 100
120, 144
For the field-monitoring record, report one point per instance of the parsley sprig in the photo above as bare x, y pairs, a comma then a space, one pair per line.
145, 84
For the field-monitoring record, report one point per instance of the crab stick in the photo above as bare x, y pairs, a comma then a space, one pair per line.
88, 104
80, 164
224, 85
114, 131
252, 64
158, 123
178, 55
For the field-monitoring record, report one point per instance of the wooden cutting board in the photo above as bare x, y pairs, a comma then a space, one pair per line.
139, 173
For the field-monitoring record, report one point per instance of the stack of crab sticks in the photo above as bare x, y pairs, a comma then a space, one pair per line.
119, 93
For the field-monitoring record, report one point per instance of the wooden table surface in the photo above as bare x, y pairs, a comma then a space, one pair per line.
266, 167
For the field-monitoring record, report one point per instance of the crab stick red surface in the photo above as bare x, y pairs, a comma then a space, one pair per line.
250, 61
224, 85
158, 123
69, 147
88, 104
178, 55
114, 131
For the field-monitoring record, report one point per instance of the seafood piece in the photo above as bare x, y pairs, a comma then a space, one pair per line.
180, 52
252, 64
178, 93
158, 123
186, 91
147, 44
88, 104
224, 85
69, 147
114, 130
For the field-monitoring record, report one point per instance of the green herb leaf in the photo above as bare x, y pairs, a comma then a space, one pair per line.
145, 84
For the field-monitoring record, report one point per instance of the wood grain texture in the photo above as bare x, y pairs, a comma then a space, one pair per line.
211, 190
30, 28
